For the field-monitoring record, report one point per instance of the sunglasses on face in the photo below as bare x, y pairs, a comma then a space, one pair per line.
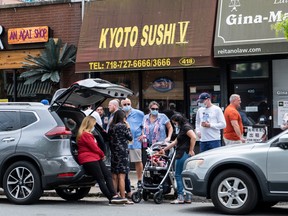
126, 104
154, 109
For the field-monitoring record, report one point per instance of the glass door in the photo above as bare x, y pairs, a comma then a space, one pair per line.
255, 110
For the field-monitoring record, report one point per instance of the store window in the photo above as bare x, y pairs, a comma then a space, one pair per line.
249, 70
6, 80
165, 87
127, 79
280, 91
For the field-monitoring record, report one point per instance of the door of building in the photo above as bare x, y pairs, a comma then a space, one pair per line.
251, 81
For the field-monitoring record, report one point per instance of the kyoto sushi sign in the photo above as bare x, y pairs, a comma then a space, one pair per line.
37, 34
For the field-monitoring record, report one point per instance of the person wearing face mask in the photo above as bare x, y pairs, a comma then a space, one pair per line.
155, 125
184, 145
135, 118
209, 122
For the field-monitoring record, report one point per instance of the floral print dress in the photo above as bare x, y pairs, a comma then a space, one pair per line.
120, 136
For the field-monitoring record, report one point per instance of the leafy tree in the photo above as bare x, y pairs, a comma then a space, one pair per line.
49, 65
281, 27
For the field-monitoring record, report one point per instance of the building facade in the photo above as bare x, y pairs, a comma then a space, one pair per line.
168, 51
162, 50
254, 57
24, 29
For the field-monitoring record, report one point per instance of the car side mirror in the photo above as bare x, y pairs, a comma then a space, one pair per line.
283, 142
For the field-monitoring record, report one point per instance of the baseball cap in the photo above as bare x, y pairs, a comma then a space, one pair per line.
203, 96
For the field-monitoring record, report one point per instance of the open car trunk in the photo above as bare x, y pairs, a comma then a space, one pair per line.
67, 103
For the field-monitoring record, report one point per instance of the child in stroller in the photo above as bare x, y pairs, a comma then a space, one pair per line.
155, 158
158, 174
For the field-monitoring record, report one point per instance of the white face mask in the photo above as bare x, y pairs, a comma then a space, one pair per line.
202, 105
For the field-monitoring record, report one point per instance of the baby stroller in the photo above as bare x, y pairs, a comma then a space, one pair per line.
158, 175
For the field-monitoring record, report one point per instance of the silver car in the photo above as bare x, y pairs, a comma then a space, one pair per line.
241, 177
38, 150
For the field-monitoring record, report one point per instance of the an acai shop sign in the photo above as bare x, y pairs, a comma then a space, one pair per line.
37, 34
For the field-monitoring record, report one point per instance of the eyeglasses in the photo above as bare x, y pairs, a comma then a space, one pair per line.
154, 109
127, 104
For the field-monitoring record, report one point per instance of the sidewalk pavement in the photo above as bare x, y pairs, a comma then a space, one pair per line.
95, 191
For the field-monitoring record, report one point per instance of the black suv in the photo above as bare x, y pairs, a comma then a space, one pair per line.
38, 149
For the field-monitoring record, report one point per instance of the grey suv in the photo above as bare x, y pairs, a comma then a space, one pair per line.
38, 150
241, 177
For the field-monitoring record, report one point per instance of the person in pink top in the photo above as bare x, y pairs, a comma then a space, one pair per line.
91, 157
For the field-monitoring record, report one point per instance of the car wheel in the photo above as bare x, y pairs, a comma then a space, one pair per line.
21, 183
233, 191
72, 194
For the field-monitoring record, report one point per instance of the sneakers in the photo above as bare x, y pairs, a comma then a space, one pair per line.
179, 200
118, 200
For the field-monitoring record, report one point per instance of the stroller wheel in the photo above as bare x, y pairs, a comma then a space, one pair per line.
145, 195
136, 197
158, 197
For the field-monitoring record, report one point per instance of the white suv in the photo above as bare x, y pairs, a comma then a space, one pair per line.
38, 151
240, 177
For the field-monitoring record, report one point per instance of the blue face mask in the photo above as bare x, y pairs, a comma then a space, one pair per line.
126, 108
154, 112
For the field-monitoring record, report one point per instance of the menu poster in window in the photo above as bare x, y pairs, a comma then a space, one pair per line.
282, 109
256, 134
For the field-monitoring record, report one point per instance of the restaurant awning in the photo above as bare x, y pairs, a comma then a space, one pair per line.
244, 28
37, 88
151, 34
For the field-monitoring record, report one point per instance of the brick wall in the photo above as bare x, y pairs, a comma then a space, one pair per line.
64, 20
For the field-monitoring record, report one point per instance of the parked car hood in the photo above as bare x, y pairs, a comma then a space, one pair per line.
89, 91
228, 150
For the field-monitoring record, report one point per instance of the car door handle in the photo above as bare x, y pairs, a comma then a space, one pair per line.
8, 139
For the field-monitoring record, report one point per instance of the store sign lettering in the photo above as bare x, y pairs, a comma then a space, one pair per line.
28, 35
280, 1
234, 19
1, 44
282, 92
160, 34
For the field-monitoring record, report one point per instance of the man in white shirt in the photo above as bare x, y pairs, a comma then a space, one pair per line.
89, 111
209, 121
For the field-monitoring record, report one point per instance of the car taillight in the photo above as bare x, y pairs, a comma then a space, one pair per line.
59, 133
63, 175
